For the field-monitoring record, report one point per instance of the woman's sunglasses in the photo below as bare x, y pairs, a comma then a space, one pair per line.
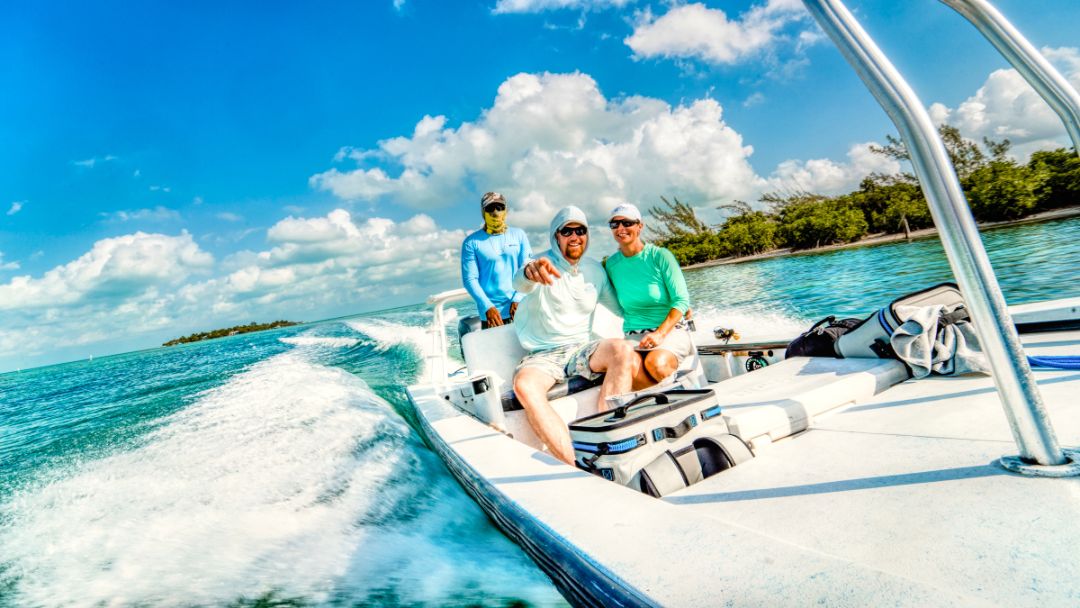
613, 224
580, 231
495, 207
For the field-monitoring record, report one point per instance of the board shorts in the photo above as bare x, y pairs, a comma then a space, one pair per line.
563, 362
677, 342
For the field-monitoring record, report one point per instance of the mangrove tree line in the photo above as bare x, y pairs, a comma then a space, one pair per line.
997, 187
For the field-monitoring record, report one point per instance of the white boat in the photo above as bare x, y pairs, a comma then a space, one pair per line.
864, 488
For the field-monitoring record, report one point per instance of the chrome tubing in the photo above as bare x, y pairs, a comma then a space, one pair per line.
1029, 62
1015, 383
435, 355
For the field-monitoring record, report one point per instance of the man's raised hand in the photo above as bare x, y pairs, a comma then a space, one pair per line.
541, 270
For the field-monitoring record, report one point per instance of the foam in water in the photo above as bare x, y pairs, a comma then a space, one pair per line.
292, 479
752, 324
318, 341
387, 334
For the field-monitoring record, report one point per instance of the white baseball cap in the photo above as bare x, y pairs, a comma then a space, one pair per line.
626, 210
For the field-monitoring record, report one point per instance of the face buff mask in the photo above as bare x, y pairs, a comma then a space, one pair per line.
495, 222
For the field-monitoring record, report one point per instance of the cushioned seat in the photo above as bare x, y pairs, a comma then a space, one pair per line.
575, 384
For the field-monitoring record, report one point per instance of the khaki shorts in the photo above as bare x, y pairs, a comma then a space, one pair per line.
677, 342
563, 362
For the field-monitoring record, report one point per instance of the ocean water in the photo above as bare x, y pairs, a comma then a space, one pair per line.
283, 468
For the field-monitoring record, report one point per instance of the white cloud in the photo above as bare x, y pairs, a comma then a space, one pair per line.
229, 217
825, 176
142, 283
160, 189
120, 267
157, 214
553, 139
696, 31
539, 6
90, 163
754, 99
1005, 106
399, 5
7, 265
16, 206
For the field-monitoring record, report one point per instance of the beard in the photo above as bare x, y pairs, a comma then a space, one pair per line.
573, 253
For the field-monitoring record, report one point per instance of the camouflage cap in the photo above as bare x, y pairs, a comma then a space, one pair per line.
491, 197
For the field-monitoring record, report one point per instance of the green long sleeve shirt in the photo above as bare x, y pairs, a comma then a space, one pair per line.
648, 285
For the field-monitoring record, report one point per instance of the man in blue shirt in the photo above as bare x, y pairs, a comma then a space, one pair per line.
489, 258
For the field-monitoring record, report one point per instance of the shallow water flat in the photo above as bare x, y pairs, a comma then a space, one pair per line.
284, 465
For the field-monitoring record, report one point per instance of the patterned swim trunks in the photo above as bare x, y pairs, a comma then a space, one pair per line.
563, 362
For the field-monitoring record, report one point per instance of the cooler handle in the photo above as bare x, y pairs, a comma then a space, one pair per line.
621, 411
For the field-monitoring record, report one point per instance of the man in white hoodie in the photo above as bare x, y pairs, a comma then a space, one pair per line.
553, 323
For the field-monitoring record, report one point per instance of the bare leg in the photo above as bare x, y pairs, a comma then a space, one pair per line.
661, 363
641, 378
531, 386
620, 362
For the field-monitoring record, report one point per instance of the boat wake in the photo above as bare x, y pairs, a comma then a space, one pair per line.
318, 341
292, 481
753, 324
387, 334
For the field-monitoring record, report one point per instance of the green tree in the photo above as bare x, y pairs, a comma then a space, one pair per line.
889, 202
1061, 172
807, 221
694, 248
746, 231
1003, 190
966, 155
678, 219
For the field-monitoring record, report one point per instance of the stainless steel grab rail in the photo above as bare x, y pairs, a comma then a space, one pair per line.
1016, 385
1043, 77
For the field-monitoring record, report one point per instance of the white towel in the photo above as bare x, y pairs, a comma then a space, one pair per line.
929, 346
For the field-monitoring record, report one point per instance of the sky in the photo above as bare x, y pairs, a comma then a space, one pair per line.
178, 167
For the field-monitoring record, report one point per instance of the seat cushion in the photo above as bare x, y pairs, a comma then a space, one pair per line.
493, 351
575, 384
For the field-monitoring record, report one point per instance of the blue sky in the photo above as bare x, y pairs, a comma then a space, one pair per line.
170, 168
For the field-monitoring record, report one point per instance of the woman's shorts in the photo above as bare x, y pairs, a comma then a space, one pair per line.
563, 362
677, 342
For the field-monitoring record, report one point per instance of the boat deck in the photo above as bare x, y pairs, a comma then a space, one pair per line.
895, 499
906, 483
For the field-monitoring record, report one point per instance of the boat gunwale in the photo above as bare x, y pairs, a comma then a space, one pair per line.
559, 559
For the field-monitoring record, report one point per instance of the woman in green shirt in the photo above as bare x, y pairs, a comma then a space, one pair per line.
652, 293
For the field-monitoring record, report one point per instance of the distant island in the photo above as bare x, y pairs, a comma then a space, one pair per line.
229, 331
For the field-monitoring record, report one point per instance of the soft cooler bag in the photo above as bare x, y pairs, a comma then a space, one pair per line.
658, 443
871, 338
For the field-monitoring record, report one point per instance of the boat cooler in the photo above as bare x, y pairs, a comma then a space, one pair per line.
658, 443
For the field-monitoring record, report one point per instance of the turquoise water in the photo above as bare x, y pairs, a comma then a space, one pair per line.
282, 467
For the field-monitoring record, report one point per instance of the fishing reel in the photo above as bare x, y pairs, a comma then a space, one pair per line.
725, 334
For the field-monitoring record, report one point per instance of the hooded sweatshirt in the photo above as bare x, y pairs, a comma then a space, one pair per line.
556, 315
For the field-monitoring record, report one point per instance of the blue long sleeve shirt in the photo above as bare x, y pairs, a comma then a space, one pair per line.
488, 264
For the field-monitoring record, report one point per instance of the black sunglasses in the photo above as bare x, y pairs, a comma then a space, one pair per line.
580, 231
493, 207
613, 224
